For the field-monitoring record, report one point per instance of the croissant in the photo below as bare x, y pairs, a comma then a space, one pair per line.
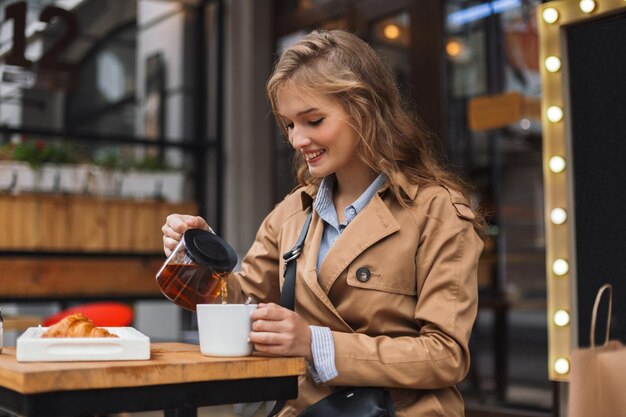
76, 325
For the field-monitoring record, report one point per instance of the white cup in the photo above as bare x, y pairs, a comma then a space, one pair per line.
224, 329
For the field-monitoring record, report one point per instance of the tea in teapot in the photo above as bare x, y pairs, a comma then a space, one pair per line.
196, 272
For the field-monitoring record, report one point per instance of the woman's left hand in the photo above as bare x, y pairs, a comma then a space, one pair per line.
278, 330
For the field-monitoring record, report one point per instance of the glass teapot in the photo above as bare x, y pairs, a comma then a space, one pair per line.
197, 269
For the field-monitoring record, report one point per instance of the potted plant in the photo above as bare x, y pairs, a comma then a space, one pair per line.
151, 177
40, 166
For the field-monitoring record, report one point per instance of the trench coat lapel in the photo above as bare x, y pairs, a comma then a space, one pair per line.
308, 266
372, 224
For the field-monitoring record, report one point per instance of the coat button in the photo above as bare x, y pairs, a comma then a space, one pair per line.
363, 274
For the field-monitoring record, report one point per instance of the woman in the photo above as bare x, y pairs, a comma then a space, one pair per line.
386, 291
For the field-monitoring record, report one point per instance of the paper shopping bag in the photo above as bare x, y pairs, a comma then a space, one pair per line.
597, 378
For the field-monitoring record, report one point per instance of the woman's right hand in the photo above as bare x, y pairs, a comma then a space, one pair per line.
176, 225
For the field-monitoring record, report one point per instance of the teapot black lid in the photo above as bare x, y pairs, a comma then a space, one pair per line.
209, 249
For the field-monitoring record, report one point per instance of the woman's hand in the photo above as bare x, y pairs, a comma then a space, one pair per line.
280, 331
176, 225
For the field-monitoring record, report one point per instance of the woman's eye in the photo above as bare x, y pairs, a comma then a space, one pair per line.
316, 122
288, 126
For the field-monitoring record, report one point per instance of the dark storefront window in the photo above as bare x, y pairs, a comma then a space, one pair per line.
492, 51
116, 85
109, 121
104, 99
390, 36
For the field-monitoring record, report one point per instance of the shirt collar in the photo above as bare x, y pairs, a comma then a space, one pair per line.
309, 192
323, 203
324, 206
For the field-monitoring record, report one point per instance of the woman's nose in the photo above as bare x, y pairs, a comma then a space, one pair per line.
298, 139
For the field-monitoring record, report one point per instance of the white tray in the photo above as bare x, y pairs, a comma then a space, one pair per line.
130, 345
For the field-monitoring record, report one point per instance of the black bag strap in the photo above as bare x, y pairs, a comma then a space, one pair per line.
287, 295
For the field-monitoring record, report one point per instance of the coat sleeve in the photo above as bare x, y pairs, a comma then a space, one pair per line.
437, 356
259, 273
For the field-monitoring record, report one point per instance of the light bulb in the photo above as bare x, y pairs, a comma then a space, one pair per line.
560, 267
550, 15
525, 124
391, 31
558, 216
454, 48
555, 114
587, 6
553, 63
561, 366
561, 318
557, 164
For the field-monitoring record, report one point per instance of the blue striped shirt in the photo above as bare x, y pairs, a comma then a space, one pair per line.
322, 347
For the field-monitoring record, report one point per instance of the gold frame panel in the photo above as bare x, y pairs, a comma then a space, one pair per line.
560, 238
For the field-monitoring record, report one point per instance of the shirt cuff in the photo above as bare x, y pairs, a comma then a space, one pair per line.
323, 349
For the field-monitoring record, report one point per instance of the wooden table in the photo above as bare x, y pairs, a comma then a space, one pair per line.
177, 379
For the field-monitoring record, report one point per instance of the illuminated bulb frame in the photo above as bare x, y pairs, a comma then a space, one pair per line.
550, 21
561, 318
557, 164
554, 114
559, 363
558, 186
560, 267
553, 63
592, 3
558, 216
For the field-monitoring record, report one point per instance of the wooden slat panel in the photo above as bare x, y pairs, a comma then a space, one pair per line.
19, 226
53, 223
166, 209
120, 226
147, 228
83, 223
88, 224
5, 212
78, 277
21, 323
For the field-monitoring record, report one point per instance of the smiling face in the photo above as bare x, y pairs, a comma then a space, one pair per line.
319, 128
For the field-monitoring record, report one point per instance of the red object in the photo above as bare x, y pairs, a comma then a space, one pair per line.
102, 314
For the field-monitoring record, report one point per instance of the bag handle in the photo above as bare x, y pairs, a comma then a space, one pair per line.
594, 315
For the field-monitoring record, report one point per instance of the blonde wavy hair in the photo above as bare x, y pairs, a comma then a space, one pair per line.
343, 67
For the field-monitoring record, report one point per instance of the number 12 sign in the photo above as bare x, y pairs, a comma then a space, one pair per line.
50, 62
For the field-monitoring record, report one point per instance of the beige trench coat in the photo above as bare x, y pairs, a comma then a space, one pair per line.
408, 326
